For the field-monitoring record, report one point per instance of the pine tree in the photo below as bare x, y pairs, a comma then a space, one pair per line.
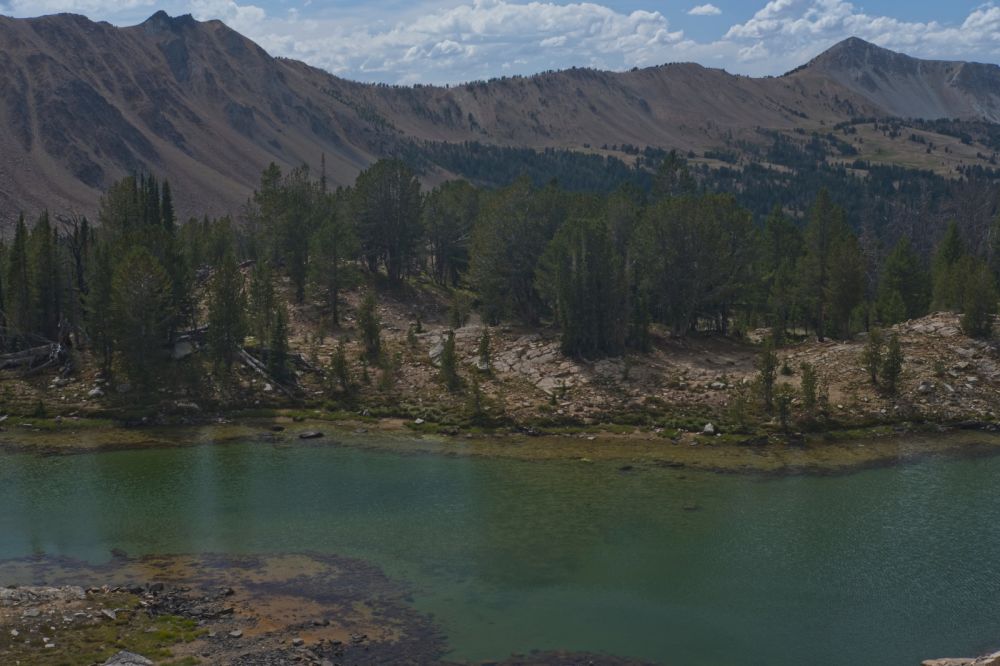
227, 326
904, 287
277, 352
263, 301
810, 385
449, 363
370, 327
19, 289
485, 362
767, 367
98, 305
873, 354
830, 270
979, 297
892, 366
45, 284
581, 280
387, 213
333, 244
448, 215
142, 310
340, 372
947, 271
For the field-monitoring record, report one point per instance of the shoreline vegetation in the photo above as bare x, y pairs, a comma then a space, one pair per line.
666, 326
629, 448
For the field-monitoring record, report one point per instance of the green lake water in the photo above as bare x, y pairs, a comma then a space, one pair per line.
882, 567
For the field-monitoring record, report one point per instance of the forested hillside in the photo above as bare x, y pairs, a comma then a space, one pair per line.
149, 305
87, 103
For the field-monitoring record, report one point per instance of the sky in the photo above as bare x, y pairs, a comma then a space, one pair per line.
452, 41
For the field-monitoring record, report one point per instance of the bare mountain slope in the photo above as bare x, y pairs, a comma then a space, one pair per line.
83, 103
908, 87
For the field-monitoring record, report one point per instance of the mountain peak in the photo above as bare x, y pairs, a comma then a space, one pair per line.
162, 21
854, 52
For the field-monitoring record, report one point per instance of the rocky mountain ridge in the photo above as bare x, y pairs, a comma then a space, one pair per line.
86, 102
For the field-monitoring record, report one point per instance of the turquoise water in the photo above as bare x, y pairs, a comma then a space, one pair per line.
882, 567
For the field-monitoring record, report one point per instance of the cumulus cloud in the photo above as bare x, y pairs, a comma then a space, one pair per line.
89, 7
439, 41
705, 10
484, 38
789, 32
244, 18
453, 43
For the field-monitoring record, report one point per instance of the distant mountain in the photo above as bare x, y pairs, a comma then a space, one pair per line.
911, 88
83, 103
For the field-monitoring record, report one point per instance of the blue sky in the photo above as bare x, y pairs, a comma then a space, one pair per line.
449, 41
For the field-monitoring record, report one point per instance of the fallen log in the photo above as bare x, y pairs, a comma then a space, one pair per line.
48, 355
261, 370
294, 357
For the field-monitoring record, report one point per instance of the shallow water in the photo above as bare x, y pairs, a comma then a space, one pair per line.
886, 566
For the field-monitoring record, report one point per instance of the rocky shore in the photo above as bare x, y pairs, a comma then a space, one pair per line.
986, 660
245, 611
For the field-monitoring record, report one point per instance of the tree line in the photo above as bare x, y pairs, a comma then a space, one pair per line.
603, 269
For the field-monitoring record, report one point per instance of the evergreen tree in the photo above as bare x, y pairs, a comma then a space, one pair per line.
449, 363
340, 371
767, 368
892, 367
142, 310
226, 313
277, 352
904, 289
872, 357
19, 288
98, 305
979, 297
810, 385
449, 212
947, 271
485, 361
45, 285
582, 282
387, 213
511, 233
333, 245
782, 244
696, 253
370, 327
262, 300
830, 272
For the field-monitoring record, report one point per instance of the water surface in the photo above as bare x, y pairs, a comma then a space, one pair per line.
887, 566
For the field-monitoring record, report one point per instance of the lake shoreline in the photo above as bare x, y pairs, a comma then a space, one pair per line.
820, 453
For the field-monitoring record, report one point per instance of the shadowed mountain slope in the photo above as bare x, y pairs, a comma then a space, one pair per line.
83, 103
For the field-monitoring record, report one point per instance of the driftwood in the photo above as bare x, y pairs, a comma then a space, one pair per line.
261, 370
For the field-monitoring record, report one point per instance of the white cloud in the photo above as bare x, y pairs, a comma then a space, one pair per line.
454, 43
705, 10
244, 18
89, 7
785, 33
437, 41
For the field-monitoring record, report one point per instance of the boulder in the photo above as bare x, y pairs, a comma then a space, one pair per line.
310, 434
125, 658
182, 350
709, 429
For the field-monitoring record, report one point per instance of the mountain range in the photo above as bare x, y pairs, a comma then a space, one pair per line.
83, 103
